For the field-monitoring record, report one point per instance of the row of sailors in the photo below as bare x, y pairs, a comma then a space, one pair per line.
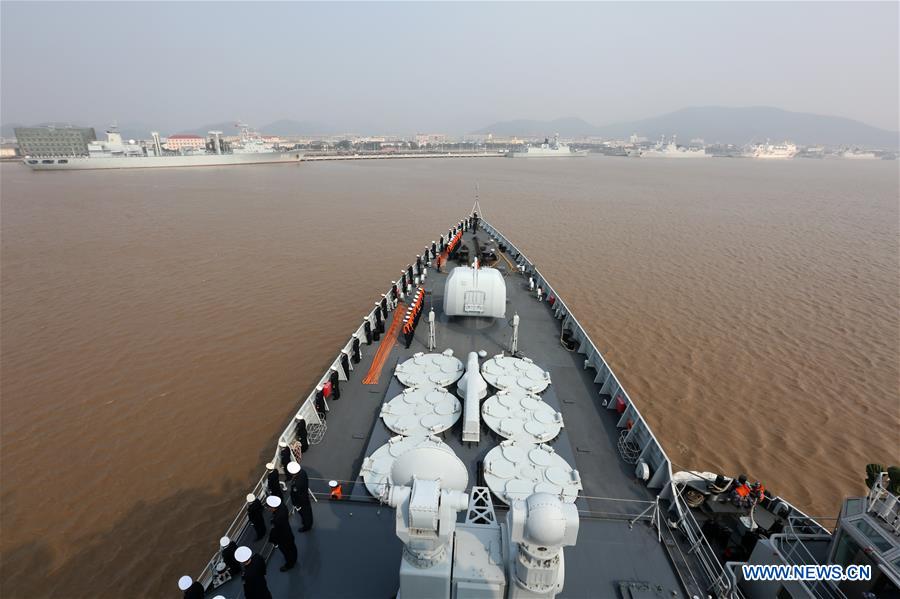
411, 318
241, 561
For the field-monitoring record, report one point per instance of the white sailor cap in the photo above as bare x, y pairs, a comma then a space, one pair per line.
270, 466
332, 483
293, 467
273, 501
282, 444
185, 582
219, 597
298, 417
243, 554
224, 542
251, 497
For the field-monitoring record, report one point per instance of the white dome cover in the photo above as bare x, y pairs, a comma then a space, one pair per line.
475, 292
431, 461
420, 411
546, 523
506, 372
378, 469
433, 370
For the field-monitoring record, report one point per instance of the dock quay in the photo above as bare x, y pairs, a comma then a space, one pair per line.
309, 157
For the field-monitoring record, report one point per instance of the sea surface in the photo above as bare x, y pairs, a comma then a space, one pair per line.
158, 327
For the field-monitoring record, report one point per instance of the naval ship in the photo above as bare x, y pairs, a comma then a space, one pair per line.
770, 151
673, 150
469, 440
116, 153
548, 149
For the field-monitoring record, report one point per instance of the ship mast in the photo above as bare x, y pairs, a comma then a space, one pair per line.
477, 206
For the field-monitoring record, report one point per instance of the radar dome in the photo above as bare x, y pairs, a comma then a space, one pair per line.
431, 461
546, 522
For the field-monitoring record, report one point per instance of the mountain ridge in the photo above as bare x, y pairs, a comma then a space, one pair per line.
715, 124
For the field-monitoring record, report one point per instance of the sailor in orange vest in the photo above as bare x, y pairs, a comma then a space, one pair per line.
740, 494
336, 491
407, 331
757, 491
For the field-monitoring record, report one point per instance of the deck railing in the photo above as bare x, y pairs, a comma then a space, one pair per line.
638, 435
718, 579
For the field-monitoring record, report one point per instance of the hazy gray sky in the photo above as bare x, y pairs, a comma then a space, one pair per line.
440, 66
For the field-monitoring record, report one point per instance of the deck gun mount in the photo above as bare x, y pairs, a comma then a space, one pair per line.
522, 559
428, 491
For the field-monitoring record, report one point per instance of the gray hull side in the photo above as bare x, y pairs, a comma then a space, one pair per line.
167, 161
547, 155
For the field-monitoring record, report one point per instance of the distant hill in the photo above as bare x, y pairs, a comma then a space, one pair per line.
722, 124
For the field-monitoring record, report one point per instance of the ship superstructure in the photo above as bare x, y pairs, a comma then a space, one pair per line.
548, 149
671, 149
778, 151
469, 440
859, 154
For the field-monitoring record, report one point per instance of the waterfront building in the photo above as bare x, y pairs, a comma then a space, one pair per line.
184, 141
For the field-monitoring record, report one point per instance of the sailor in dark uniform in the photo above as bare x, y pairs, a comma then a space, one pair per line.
285, 455
228, 548
302, 434
321, 408
300, 495
254, 565
273, 482
191, 588
255, 514
281, 535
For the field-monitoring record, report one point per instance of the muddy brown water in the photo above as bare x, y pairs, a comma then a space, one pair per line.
158, 328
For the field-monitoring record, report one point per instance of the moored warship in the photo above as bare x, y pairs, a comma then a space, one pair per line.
549, 149
469, 440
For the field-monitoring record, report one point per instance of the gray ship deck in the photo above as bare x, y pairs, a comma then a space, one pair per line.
353, 551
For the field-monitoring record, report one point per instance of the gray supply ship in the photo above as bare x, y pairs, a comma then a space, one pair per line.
548, 149
470, 441
116, 153
673, 150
